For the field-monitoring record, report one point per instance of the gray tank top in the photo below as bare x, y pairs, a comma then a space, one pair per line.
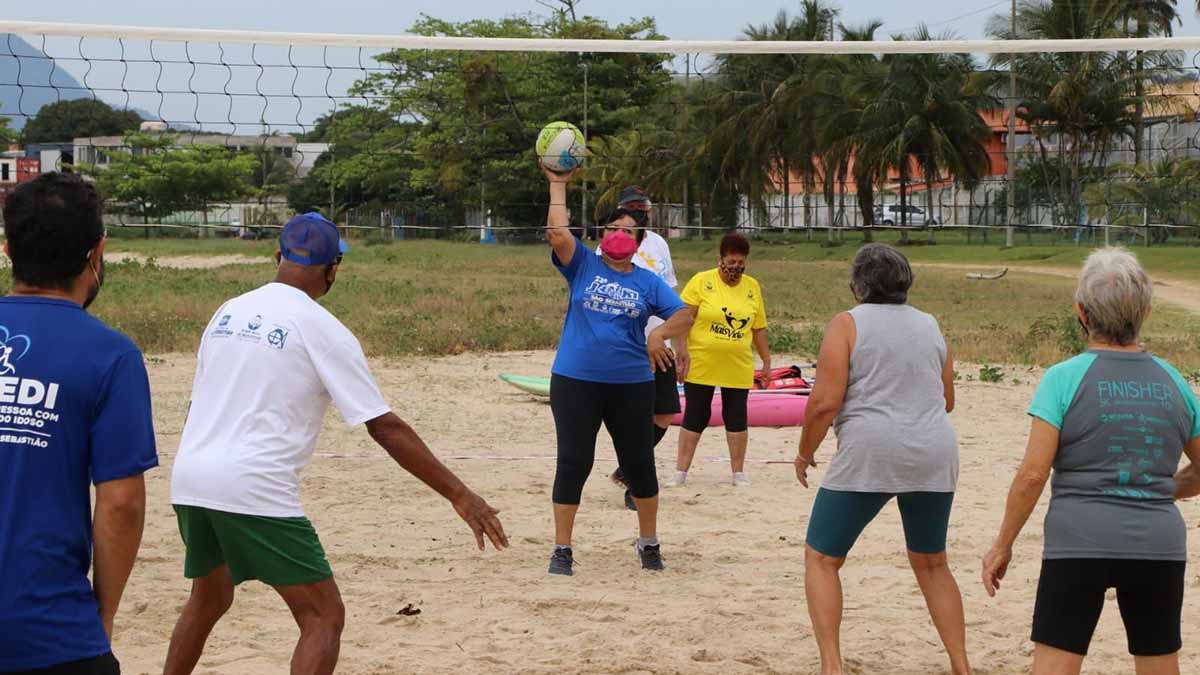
893, 433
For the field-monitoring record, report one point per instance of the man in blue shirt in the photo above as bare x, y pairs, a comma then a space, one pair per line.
74, 411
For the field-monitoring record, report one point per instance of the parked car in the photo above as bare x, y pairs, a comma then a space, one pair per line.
890, 215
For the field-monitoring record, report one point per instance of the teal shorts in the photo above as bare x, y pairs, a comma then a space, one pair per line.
838, 518
276, 551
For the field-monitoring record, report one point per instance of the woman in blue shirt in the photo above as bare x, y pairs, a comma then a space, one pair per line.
604, 369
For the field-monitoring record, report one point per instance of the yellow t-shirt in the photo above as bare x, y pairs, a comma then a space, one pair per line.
721, 340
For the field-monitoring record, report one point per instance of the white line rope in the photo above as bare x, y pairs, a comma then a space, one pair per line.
403, 41
683, 228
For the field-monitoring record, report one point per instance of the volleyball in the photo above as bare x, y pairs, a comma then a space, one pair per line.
561, 146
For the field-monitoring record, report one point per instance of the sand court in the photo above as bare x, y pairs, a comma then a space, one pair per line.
421, 599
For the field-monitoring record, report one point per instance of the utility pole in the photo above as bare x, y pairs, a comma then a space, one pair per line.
1011, 145
332, 172
687, 176
583, 200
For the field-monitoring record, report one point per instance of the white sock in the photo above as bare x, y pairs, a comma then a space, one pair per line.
680, 476
643, 542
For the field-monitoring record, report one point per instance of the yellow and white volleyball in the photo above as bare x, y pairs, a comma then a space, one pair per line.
561, 146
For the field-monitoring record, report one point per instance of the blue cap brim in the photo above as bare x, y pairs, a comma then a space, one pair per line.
343, 247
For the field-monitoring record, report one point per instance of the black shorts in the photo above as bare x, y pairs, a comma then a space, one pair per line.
1070, 597
105, 664
666, 392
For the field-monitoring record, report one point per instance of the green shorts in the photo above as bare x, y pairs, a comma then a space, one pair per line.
838, 518
276, 551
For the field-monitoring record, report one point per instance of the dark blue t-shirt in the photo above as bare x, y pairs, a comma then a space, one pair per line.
603, 337
74, 410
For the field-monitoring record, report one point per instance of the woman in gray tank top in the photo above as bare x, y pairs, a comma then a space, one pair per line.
885, 378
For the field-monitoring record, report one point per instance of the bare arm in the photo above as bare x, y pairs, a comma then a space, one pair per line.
1187, 479
829, 391
948, 381
404, 445
1023, 496
117, 535
656, 344
683, 358
764, 353
557, 220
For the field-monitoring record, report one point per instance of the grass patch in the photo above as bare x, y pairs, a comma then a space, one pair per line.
439, 297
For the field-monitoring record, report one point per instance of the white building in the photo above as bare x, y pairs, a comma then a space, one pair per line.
97, 149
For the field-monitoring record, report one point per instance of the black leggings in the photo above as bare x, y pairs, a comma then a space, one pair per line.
699, 407
627, 410
105, 664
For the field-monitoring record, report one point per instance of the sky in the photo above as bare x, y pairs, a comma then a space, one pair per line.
681, 19
281, 107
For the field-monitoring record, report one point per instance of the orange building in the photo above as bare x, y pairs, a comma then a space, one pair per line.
997, 150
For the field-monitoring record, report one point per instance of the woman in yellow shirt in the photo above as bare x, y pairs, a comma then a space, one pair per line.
730, 319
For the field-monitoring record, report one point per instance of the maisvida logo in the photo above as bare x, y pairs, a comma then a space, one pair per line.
733, 328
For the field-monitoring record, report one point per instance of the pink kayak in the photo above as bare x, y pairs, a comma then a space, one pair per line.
775, 410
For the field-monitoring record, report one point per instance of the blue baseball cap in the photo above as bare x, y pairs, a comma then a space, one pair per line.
311, 239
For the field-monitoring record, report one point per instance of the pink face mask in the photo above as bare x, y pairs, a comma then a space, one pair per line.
618, 245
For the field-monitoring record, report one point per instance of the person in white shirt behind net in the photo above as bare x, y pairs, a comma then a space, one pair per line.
270, 362
653, 254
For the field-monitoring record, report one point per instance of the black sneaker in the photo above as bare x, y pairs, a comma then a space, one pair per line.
561, 562
651, 557
629, 503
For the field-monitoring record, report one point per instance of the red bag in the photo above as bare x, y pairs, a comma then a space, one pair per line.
783, 378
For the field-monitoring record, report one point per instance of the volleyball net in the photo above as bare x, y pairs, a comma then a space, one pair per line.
832, 131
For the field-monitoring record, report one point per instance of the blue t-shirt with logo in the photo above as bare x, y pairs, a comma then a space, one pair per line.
603, 337
74, 410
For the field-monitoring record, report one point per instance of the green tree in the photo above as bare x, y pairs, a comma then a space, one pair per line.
156, 178
838, 103
769, 134
63, 121
475, 115
1150, 17
8, 135
1147, 194
269, 178
925, 116
1077, 105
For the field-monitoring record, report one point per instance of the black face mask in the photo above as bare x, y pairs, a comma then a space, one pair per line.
328, 269
99, 276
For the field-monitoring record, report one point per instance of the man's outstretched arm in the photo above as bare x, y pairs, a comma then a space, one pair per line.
404, 445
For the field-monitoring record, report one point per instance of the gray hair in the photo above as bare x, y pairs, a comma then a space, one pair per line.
1115, 293
880, 274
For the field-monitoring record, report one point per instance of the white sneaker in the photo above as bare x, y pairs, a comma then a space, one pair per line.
678, 480
741, 479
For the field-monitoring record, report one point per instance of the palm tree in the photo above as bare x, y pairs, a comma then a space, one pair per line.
838, 106
768, 134
1150, 17
1077, 105
924, 115
1163, 191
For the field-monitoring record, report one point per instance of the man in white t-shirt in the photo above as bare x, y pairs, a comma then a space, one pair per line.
652, 254
269, 364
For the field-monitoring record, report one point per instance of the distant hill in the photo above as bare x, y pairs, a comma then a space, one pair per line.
30, 80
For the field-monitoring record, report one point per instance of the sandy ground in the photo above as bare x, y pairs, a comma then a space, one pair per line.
731, 600
1173, 292
188, 262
